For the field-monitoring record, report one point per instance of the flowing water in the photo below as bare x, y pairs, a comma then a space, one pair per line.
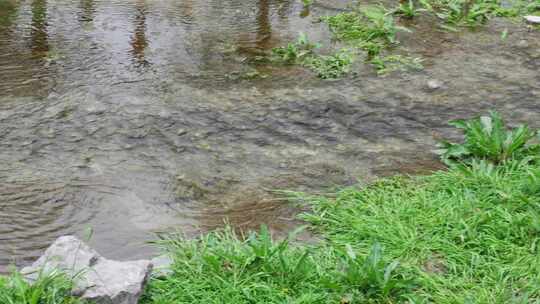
130, 117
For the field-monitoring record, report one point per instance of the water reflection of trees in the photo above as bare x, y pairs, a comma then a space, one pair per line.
8, 8
38, 35
87, 10
264, 23
264, 26
139, 41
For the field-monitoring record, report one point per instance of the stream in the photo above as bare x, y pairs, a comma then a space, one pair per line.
131, 117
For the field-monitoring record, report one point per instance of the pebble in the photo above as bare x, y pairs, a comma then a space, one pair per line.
434, 84
523, 44
532, 19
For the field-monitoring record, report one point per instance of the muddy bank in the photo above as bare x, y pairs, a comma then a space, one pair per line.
110, 122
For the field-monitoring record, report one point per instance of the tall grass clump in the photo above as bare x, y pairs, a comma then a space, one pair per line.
222, 267
488, 138
52, 288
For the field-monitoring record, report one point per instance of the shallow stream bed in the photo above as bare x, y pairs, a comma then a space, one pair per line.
130, 117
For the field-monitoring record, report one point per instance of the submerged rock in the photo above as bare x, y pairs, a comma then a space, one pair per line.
96, 278
434, 84
162, 265
532, 19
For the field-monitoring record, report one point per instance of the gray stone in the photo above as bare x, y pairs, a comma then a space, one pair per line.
435, 84
532, 19
523, 44
96, 278
162, 265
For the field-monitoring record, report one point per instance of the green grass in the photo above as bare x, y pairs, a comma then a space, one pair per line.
302, 52
409, 9
371, 23
53, 288
224, 268
473, 13
469, 235
331, 66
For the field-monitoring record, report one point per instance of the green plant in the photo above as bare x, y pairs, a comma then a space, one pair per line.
408, 9
372, 23
302, 53
52, 288
332, 66
532, 7
294, 52
392, 63
307, 3
371, 274
487, 137
466, 12
371, 29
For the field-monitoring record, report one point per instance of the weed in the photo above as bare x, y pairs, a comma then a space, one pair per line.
468, 12
504, 34
294, 52
408, 9
371, 29
372, 275
53, 288
515, 8
487, 137
307, 3
332, 66
388, 64
367, 25
302, 53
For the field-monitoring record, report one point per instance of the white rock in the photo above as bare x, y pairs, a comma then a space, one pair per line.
98, 279
434, 84
532, 19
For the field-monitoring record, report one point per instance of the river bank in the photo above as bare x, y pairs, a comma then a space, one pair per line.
465, 234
